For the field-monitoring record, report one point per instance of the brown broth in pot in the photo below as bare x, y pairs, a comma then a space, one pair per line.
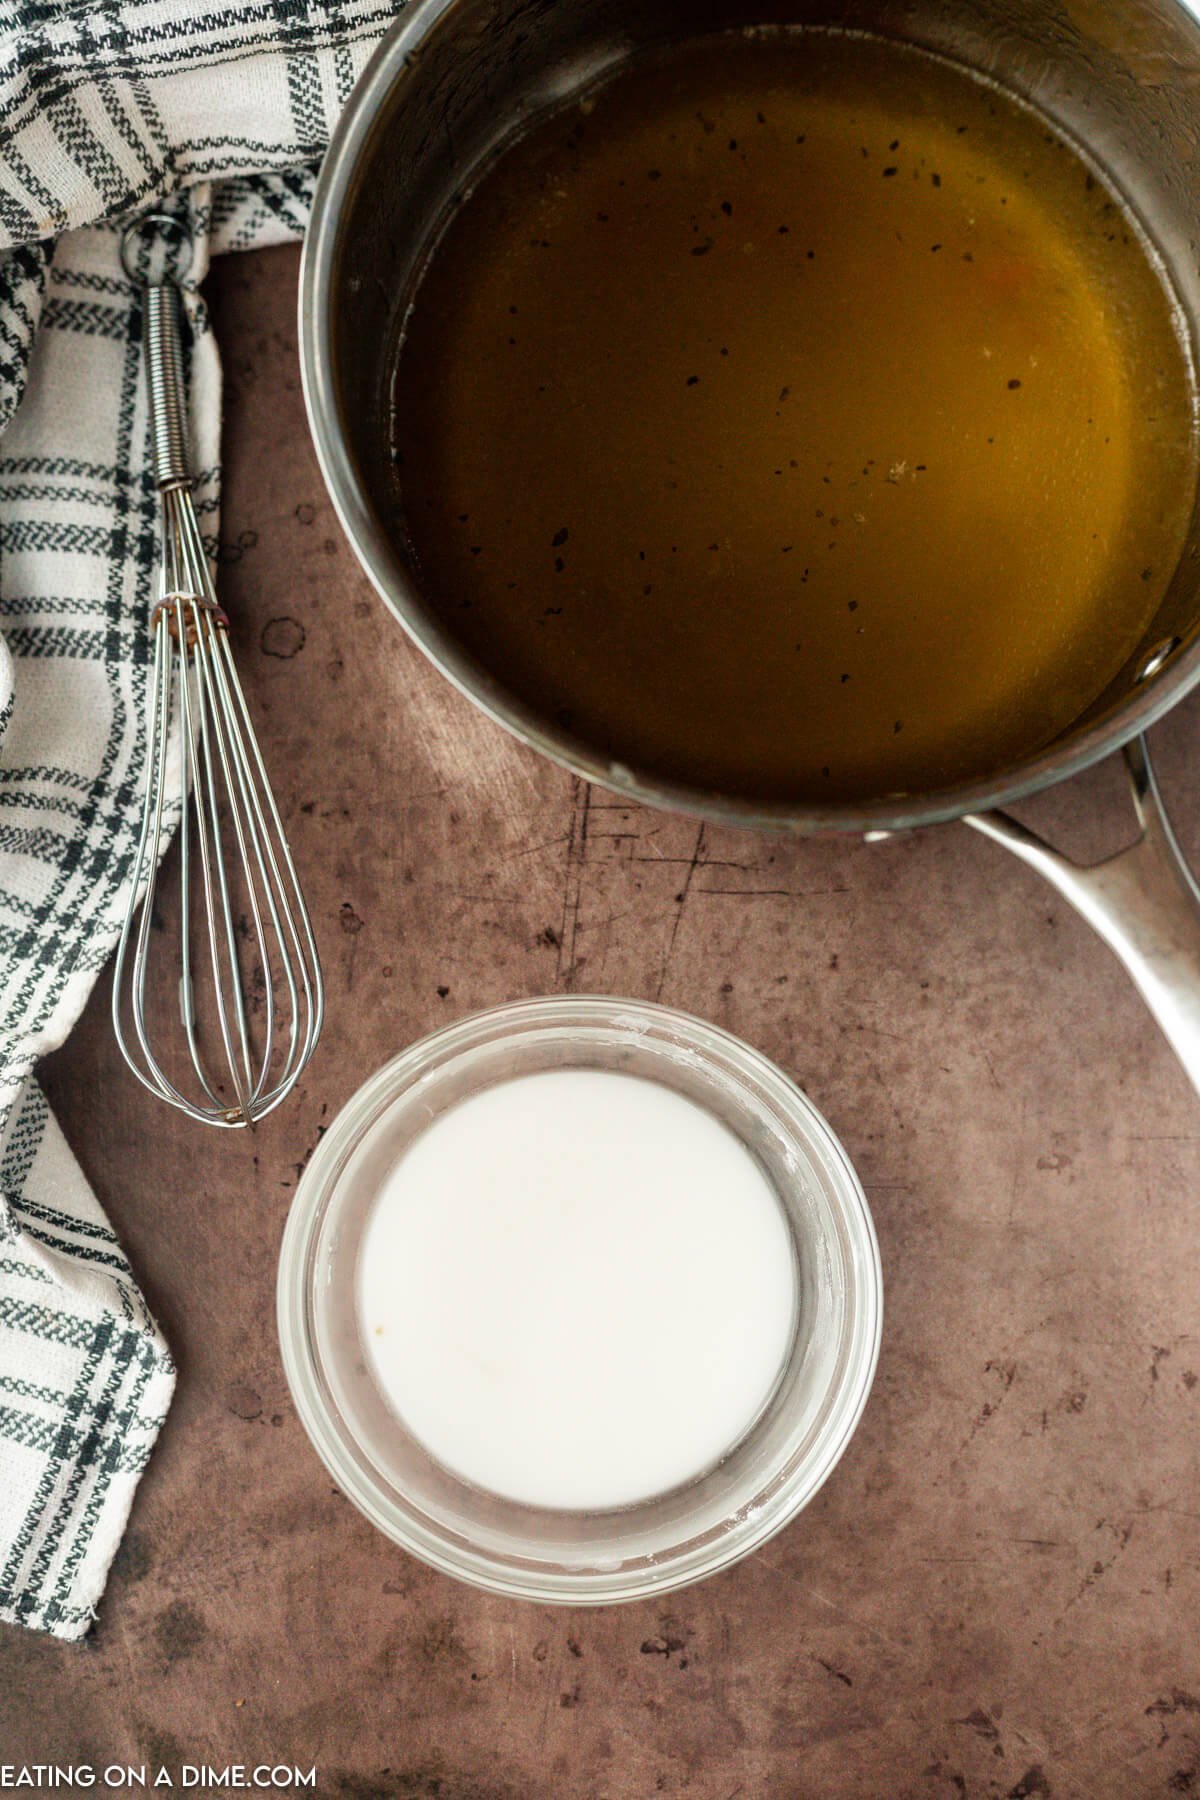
797, 416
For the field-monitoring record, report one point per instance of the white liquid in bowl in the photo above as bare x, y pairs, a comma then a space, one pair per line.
576, 1289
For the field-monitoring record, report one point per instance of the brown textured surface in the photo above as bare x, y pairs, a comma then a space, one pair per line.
997, 1592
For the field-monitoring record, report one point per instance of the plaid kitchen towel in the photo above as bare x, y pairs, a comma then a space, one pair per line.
105, 109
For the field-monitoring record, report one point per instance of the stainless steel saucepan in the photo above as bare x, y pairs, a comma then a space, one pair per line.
452, 79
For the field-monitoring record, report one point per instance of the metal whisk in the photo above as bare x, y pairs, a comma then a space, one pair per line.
255, 1029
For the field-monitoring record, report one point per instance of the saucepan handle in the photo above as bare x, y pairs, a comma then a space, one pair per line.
1144, 902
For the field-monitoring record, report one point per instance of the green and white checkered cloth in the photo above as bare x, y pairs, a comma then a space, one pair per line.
105, 109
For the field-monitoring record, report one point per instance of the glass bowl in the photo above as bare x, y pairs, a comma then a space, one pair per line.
671, 1539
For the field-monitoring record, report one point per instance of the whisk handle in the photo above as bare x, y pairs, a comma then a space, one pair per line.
164, 370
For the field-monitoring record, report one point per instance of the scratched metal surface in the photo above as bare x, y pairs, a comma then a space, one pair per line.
995, 1595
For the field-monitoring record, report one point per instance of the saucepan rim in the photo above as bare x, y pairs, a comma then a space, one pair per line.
1158, 692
